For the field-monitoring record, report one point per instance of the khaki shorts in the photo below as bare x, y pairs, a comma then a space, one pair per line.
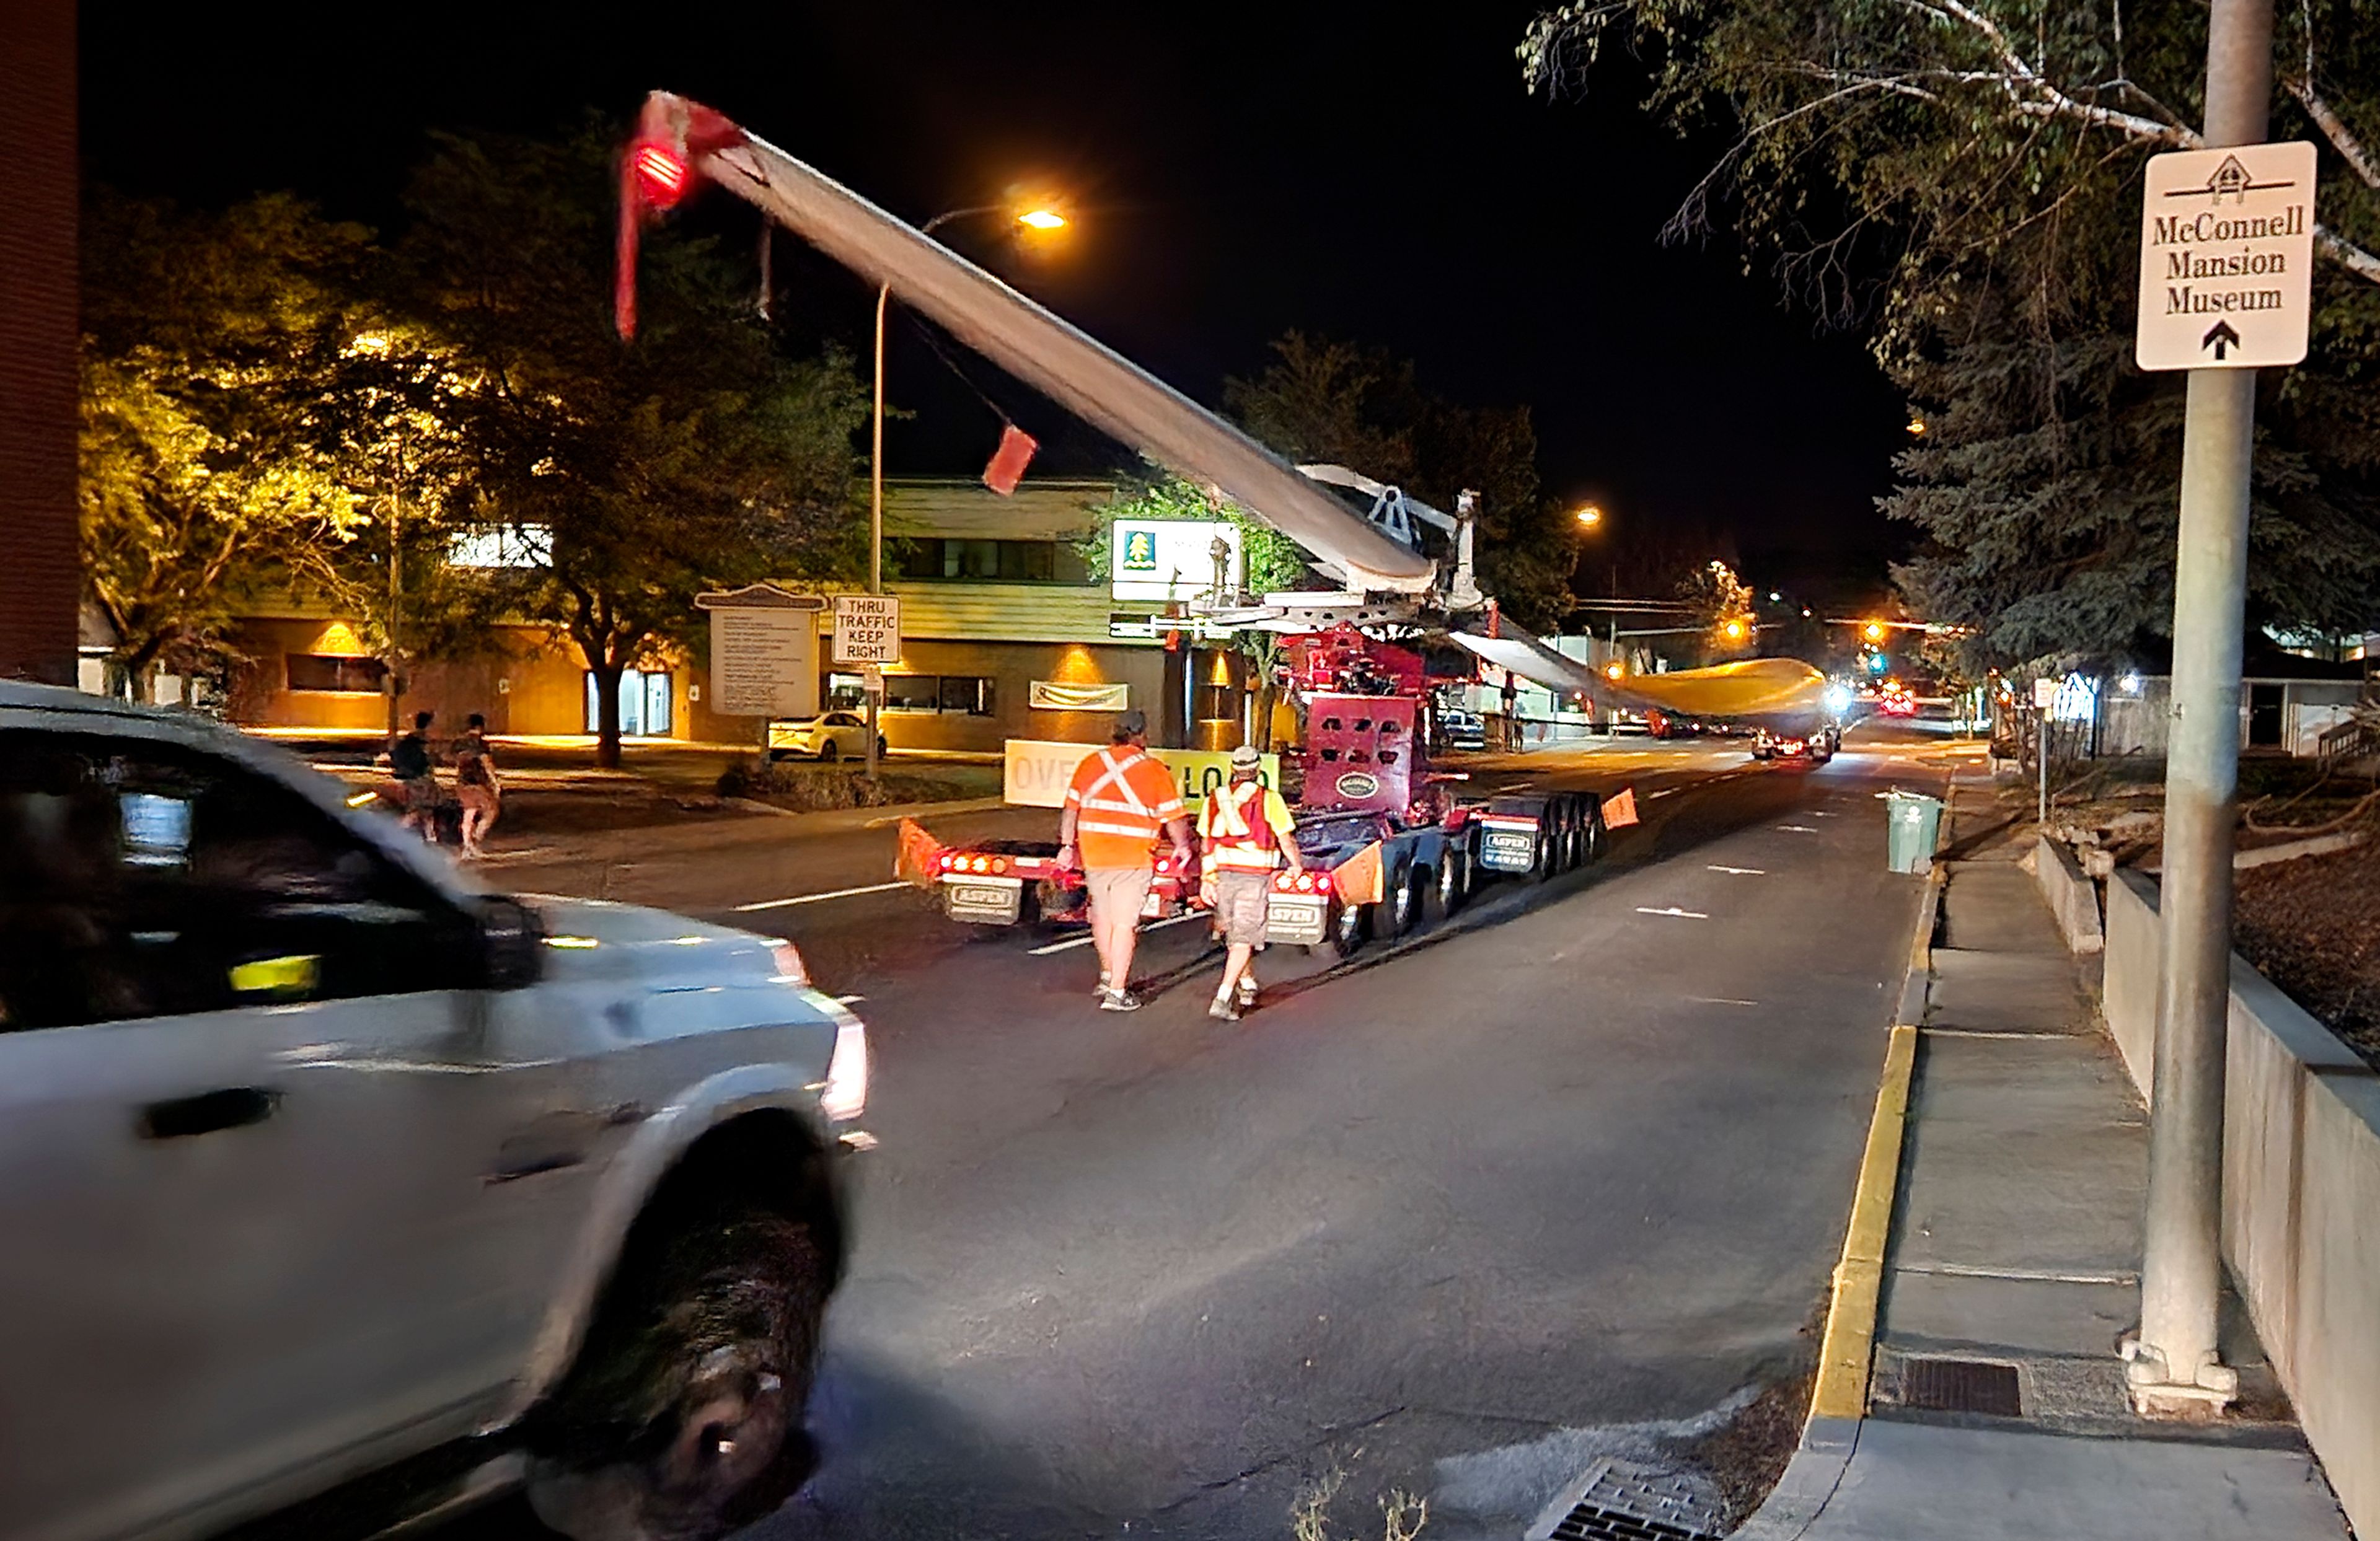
1117, 893
1241, 899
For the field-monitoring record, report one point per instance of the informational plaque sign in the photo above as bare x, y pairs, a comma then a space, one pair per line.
763, 651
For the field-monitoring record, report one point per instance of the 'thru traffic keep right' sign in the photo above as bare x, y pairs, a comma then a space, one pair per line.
2227, 257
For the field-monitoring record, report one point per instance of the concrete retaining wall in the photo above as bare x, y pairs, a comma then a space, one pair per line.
2301, 1182
2073, 898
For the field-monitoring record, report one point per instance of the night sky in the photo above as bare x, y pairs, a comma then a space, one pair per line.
1235, 172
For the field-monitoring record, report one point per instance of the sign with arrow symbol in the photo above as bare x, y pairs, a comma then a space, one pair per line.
2227, 239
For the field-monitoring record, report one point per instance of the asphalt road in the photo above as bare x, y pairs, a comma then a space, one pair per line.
1448, 1218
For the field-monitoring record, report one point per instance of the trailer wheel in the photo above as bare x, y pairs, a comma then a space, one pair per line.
1599, 834
1403, 901
1347, 927
1453, 879
1577, 839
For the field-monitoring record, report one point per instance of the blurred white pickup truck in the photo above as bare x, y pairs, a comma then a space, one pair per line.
328, 1178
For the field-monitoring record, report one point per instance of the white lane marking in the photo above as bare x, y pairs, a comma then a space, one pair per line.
1663, 793
818, 898
1822, 816
1720, 1000
1740, 871
849, 999
1988, 1033
1672, 910
1799, 829
2031, 1276
1084, 941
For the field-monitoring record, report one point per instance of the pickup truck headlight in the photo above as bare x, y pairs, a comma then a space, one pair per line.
845, 1097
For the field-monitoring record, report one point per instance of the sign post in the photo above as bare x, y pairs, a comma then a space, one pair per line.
2235, 290
2044, 696
868, 631
763, 651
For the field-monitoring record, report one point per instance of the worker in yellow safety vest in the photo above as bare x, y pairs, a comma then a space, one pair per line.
1247, 834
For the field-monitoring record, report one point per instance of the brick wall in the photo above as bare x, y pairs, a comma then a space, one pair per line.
40, 575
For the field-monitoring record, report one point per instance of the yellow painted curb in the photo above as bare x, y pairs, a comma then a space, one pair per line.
1850, 1341
1849, 1345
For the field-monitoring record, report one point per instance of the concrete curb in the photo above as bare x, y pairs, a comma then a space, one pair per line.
1847, 1347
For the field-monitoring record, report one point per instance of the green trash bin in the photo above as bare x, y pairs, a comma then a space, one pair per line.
1911, 820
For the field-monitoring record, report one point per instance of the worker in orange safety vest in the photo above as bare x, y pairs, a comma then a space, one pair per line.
1248, 833
1116, 805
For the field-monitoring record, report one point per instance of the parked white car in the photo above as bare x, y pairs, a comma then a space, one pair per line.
830, 735
316, 1159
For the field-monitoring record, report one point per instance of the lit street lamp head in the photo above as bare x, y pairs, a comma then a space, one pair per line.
1042, 218
1590, 516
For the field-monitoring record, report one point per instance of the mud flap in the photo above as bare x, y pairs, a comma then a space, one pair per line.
1619, 809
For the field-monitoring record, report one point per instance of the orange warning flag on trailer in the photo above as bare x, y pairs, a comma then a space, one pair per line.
914, 863
1620, 809
1359, 877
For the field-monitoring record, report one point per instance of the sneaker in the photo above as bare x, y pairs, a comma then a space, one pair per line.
1119, 1001
1248, 987
1223, 1009
1099, 990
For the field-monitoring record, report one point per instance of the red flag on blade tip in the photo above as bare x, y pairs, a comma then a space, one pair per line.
1008, 462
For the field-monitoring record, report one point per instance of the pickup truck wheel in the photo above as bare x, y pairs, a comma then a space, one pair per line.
682, 1419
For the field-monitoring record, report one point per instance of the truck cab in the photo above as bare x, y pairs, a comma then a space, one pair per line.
316, 1157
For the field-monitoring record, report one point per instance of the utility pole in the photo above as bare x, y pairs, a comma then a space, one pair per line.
876, 516
2173, 1365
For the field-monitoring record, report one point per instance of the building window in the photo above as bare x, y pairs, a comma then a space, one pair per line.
325, 671
845, 693
934, 558
966, 695
646, 695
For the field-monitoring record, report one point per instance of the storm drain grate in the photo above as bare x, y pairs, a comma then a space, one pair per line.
1629, 1501
1587, 1522
1960, 1386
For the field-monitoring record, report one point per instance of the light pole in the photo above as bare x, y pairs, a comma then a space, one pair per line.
2174, 1364
1037, 218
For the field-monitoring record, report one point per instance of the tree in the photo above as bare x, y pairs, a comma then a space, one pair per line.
1961, 177
1357, 406
700, 456
207, 471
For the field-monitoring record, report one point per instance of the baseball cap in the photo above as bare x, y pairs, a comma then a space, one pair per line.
1245, 758
1130, 722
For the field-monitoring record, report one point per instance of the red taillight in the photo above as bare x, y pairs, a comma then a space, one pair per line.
1322, 882
661, 174
946, 861
999, 864
1165, 864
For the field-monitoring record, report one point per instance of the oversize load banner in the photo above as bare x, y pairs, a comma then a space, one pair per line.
1038, 769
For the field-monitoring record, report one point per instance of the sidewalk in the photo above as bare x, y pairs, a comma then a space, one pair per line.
1995, 1402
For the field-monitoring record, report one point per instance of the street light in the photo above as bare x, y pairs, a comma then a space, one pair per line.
1734, 629
1874, 631
1039, 218
1590, 515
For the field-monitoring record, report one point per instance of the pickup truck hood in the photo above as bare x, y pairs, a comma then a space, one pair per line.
589, 937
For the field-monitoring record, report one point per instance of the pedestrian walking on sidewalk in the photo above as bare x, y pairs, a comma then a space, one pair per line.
476, 785
1118, 803
1247, 834
416, 771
